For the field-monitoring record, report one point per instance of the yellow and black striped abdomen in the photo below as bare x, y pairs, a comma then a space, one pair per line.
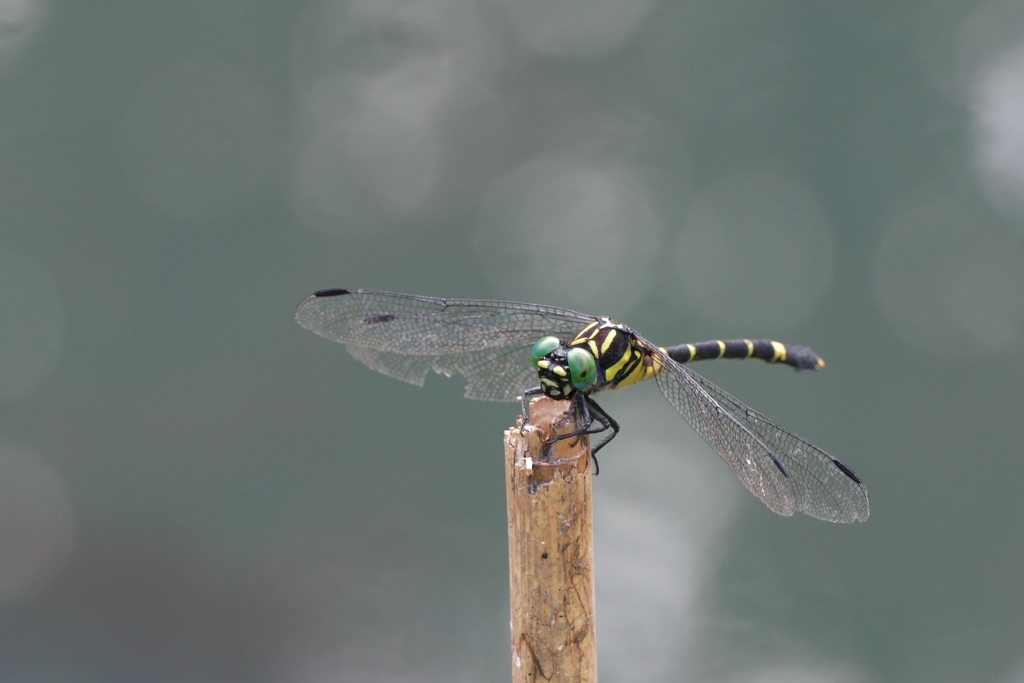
799, 357
622, 359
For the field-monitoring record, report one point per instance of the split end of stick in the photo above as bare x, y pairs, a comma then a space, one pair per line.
537, 455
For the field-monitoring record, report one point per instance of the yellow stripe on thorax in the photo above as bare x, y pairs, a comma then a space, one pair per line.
649, 364
609, 338
624, 359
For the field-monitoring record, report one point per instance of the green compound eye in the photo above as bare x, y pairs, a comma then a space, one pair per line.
543, 347
582, 368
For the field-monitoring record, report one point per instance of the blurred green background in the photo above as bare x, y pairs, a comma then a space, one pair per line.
194, 489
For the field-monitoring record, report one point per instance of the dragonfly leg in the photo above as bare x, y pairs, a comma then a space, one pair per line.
529, 393
591, 412
607, 422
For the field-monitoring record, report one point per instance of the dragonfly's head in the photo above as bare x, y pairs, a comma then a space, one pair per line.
563, 370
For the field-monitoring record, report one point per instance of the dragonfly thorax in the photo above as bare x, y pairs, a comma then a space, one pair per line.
622, 357
563, 370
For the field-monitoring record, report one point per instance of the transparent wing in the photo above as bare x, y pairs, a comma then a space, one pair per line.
786, 472
406, 336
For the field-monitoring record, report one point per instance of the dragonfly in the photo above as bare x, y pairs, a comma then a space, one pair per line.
510, 351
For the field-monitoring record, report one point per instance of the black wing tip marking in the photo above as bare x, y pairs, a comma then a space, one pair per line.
323, 293
846, 470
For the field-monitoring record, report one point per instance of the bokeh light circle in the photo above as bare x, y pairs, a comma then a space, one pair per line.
757, 248
377, 83
575, 28
662, 529
19, 22
946, 269
998, 117
565, 224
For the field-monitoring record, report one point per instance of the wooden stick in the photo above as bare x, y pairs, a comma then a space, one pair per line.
550, 547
